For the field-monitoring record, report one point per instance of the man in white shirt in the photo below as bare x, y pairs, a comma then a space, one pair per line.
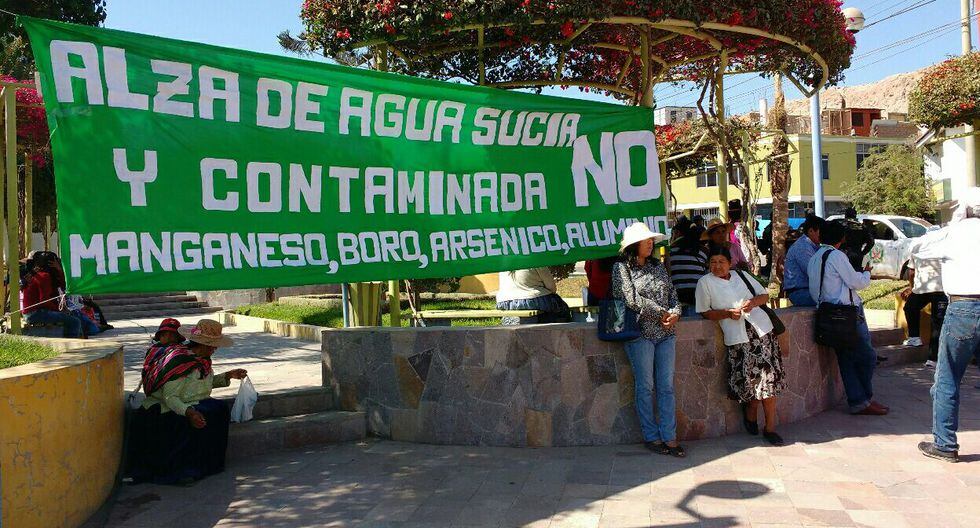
925, 288
840, 284
959, 342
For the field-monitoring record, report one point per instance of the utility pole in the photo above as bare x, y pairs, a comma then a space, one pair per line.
970, 141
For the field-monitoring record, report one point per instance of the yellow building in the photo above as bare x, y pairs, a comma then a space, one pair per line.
842, 155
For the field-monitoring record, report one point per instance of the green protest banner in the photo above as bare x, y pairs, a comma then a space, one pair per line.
184, 166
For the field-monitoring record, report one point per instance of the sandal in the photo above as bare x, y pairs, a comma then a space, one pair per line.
677, 451
656, 447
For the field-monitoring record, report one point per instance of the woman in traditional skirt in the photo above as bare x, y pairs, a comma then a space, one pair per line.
180, 433
733, 298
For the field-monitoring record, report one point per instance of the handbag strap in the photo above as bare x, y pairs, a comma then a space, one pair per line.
746, 281
823, 271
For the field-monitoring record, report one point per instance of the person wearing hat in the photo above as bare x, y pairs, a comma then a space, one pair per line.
719, 235
642, 282
180, 433
168, 333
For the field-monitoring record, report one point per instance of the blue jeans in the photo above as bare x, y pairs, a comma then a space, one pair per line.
801, 298
959, 342
87, 324
857, 366
653, 370
73, 327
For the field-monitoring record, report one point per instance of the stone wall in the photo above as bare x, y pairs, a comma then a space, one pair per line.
231, 299
550, 385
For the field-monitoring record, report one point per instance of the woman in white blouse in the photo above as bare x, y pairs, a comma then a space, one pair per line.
733, 298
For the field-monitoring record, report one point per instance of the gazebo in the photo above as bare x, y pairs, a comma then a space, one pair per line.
620, 47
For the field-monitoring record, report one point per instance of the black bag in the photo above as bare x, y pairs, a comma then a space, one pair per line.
778, 328
616, 321
836, 324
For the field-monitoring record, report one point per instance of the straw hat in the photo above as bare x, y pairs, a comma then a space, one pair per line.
206, 332
639, 232
715, 223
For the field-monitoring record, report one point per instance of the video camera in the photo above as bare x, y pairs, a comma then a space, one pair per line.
858, 242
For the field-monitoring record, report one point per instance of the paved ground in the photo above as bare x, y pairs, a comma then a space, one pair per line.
839, 470
273, 362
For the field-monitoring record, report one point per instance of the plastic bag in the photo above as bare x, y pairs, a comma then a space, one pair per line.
241, 411
135, 399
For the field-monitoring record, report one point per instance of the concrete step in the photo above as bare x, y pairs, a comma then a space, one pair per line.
289, 432
163, 299
158, 307
290, 402
149, 313
110, 296
902, 355
881, 337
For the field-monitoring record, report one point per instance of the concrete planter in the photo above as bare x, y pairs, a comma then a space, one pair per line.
61, 432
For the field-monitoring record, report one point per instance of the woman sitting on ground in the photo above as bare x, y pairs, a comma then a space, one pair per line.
733, 298
180, 434
531, 289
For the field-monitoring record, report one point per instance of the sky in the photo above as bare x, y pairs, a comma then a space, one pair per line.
903, 43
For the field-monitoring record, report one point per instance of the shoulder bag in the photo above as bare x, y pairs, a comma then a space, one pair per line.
836, 324
778, 328
617, 322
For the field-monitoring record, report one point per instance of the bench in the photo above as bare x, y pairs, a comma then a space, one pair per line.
583, 314
445, 317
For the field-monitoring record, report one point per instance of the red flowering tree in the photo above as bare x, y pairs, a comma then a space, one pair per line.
589, 44
32, 124
948, 94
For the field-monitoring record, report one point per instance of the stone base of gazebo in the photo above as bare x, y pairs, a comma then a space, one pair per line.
550, 385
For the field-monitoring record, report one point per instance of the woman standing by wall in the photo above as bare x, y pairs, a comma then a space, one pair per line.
733, 298
642, 282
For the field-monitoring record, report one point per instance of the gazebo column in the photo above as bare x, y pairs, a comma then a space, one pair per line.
722, 163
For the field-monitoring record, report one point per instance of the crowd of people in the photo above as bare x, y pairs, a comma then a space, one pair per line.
44, 302
822, 266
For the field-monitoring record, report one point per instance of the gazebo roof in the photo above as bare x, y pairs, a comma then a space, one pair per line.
600, 45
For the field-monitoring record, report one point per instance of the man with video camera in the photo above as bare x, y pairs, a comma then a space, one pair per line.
859, 240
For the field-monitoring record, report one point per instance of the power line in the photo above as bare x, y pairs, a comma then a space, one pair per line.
923, 3
952, 23
934, 32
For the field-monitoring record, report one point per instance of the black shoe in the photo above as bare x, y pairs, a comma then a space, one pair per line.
774, 438
930, 450
657, 447
751, 426
676, 451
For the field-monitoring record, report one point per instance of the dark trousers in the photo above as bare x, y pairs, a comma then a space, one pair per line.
914, 305
857, 368
165, 449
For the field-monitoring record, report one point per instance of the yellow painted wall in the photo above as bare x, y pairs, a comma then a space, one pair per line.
483, 283
842, 152
61, 430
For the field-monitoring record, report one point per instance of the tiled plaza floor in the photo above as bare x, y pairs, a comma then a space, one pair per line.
838, 470
274, 363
